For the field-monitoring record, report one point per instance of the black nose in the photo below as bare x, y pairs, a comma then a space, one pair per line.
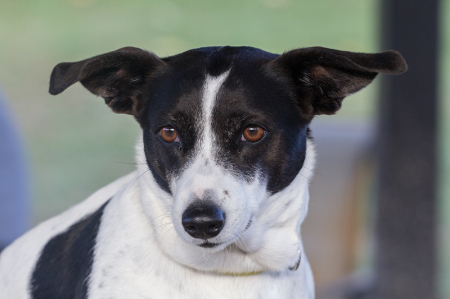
203, 220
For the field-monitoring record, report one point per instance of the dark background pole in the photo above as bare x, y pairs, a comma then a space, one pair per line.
406, 218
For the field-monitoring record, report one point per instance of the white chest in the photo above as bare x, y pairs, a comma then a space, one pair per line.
129, 263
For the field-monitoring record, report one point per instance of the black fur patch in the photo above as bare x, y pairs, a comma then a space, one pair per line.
174, 98
251, 96
65, 264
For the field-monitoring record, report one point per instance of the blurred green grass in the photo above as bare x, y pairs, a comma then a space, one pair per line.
76, 145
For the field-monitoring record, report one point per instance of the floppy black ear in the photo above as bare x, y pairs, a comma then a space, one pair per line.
117, 76
324, 77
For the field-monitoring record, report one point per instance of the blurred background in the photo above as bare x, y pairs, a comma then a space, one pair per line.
73, 144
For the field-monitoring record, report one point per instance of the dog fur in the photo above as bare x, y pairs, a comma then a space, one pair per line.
127, 240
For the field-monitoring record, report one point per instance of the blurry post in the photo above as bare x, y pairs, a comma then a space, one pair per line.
406, 218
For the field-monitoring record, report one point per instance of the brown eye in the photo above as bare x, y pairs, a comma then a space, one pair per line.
253, 133
168, 134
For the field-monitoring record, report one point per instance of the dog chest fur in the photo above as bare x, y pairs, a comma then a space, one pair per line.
225, 138
129, 260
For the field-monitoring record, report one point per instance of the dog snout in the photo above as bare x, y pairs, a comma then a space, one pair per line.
203, 220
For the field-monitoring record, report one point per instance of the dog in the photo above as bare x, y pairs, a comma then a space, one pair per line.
221, 188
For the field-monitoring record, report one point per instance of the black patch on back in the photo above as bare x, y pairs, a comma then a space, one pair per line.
65, 264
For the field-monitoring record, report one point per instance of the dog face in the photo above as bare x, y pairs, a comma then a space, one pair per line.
214, 163
225, 139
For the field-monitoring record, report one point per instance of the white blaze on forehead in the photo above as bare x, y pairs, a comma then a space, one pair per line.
210, 91
203, 173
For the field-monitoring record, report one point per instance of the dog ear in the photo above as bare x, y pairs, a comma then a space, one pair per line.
118, 77
324, 77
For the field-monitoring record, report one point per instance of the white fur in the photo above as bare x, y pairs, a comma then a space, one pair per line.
133, 255
140, 255
142, 251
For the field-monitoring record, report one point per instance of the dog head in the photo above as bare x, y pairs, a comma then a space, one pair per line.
225, 140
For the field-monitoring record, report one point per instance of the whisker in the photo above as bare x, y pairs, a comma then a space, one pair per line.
139, 177
170, 228
228, 254
313, 170
129, 163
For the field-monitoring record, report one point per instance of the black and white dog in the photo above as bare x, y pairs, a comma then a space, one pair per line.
215, 207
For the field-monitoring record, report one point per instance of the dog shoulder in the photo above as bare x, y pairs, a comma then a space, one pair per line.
19, 260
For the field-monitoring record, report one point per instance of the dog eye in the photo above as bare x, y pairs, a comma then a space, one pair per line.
253, 134
169, 134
